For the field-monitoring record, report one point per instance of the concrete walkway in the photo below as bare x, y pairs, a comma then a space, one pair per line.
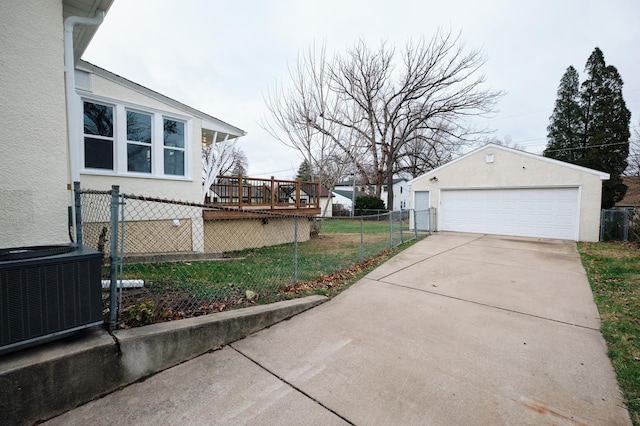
459, 329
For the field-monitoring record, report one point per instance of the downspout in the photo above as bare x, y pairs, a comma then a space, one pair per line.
70, 98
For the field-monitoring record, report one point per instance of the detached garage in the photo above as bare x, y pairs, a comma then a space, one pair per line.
498, 190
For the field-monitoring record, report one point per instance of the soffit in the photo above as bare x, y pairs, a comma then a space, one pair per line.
82, 34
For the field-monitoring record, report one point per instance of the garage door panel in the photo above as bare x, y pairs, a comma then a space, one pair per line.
534, 212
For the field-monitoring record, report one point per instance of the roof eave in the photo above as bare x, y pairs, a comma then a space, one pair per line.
82, 34
87, 66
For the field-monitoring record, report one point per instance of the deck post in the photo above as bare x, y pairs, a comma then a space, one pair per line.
273, 193
240, 192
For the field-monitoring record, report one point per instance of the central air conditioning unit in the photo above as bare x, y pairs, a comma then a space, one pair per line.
47, 292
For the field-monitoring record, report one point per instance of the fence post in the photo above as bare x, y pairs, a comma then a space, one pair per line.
602, 225
361, 239
113, 256
401, 235
415, 223
295, 252
78, 203
625, 235
390, 229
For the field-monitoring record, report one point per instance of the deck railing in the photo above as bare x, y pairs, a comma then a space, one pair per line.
245, 192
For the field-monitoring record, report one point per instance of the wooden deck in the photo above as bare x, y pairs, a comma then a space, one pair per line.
235, 197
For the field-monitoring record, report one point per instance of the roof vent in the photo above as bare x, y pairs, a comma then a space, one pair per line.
489, 158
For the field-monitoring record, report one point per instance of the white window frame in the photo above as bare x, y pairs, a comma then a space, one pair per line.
120, 141
105, 138
127, 141
173, 148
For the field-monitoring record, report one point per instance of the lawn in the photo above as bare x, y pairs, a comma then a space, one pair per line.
369, 226
613, 269
326, 264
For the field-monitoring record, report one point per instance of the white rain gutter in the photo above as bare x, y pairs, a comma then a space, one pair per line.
70, 90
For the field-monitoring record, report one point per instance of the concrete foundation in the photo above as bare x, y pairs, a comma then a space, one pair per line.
41, 382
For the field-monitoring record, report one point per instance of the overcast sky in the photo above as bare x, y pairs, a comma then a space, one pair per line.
222, 56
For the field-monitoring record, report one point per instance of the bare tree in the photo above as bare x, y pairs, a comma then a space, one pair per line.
219, 158
426, 152
328, 148
506, 141
633, 166
371, 104
239, 163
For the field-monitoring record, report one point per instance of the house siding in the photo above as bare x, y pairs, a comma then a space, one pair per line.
33, 189
511, 169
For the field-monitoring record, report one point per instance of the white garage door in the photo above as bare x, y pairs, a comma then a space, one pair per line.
531, 212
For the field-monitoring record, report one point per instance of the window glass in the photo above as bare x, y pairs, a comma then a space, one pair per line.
98, 153
98, 119
173, 162
174, 147
98, 139
138, 127
138, 142
173, 133
138, 158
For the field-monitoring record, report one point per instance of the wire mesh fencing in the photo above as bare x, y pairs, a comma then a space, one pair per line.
173, 260
620, 224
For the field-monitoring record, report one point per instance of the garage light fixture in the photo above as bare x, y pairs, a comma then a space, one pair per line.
434, 179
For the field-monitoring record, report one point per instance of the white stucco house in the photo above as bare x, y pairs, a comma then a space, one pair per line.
400, 194
499, 190
69, 120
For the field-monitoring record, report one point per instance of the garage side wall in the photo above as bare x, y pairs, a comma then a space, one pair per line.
513, 170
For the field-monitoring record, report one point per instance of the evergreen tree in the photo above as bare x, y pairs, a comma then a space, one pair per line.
565, 128
602, 142
304, 171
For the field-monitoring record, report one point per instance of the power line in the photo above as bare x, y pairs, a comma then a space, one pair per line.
587, 147
270, 173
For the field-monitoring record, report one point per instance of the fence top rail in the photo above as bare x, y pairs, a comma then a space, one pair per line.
93, 191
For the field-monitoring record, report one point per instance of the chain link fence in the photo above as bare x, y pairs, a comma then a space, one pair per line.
168, 260
620, 224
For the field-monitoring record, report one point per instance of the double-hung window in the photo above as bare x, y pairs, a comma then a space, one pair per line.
139, 131
173, 147
124, 140
98, 136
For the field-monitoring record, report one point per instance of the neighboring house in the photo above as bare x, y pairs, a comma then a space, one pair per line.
400, 194
499, 190
92, 125
147, 144
632, 196
326, 202
141, 140
344, 197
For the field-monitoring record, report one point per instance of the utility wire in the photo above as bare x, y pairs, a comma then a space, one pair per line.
587, 147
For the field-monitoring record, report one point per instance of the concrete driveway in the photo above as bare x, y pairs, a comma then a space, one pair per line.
459, 329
